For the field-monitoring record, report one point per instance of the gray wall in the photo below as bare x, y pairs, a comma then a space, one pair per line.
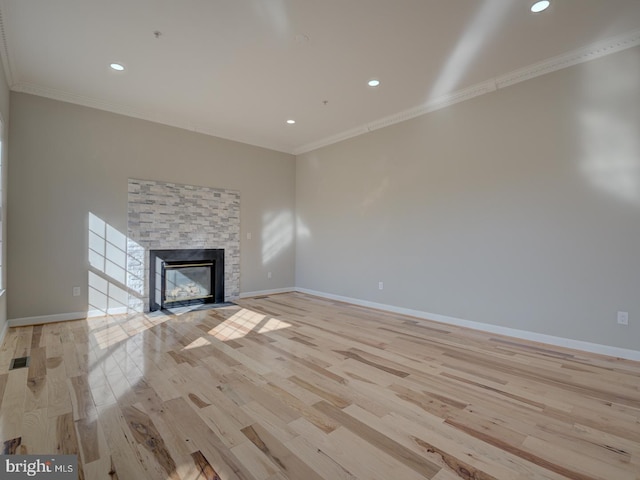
520, 208
68, 161
4, 112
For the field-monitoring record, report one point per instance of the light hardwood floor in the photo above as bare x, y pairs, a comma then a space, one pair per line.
297, 387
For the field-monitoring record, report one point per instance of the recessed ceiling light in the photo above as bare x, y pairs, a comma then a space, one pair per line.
291, 122
540, 6
373, 83
117, 66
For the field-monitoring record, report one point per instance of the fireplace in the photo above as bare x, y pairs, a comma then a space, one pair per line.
185, 277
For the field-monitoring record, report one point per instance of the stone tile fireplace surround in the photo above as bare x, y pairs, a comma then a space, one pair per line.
165, 215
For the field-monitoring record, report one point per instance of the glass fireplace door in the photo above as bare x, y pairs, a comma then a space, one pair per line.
184, 282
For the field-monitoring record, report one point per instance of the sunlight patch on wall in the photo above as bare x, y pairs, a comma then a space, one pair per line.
108, 278
302, 230
612, 162
277, 234
610, 138
105, 297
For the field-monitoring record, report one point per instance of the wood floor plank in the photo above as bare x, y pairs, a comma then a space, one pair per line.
67, 439
59, 401
362, 459
483, 457
13, 404
37, 362
7, 349
145, 433
39, 433
280, 455
227, 423
80, 396
3, 384
23, 342
317, 459
223, 461
321, 421
36, 395
126, 462
205, 468
542, 461
379, 440
181, 450
258, 464
89, 438
10, 447
36, 336
585, 466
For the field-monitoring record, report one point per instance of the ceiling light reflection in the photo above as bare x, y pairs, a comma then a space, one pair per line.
540, 6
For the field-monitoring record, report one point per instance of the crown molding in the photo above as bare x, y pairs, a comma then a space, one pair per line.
353, 132
586, 54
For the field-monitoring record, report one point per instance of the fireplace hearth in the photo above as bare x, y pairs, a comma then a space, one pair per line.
181, 277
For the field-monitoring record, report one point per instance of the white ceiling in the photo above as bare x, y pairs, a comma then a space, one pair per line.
239, 69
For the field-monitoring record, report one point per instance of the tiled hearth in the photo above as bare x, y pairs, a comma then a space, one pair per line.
173, 216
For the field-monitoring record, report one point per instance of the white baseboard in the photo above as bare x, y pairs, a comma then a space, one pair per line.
267, 292
486, 327
59, 317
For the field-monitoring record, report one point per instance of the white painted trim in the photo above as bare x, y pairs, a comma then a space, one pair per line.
63, 317
59, 317
485, 327
591, 52
267, 292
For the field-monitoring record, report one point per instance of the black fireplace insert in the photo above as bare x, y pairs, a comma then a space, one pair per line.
185, 277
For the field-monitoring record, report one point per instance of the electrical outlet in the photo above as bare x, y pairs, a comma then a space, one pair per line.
269, 275
75, 291
380, 286
623, 318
